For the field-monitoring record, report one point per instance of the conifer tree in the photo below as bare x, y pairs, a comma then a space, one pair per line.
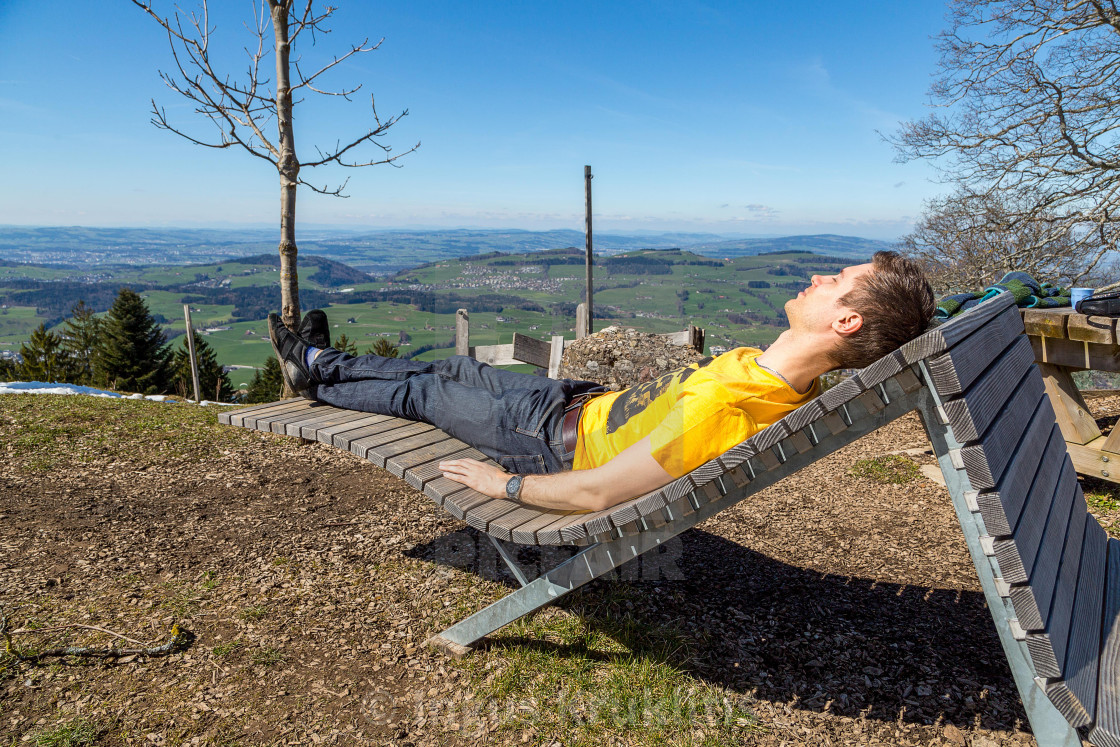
43, 358
381, 346
81, 338
345, 345
213, 382
266, 384
132, 356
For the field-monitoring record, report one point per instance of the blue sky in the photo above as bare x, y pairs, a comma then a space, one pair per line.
728, 117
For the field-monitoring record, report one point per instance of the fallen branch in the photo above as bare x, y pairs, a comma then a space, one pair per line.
179, 640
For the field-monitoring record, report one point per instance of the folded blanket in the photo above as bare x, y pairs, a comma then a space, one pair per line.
1028, 293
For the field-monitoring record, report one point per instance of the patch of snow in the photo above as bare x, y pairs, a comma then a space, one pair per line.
41, 387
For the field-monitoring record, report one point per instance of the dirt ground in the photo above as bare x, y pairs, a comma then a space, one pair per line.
838, 610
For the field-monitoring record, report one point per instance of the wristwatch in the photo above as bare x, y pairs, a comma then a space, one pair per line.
513, 488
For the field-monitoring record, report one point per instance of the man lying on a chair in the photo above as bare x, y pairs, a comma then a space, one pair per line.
573, 445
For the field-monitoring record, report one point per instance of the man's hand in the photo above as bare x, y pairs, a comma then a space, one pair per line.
632, 473
485, 478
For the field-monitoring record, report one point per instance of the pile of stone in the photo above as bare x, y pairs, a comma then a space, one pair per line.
619, 358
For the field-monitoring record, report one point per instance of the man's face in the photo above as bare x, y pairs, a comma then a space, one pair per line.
818, 306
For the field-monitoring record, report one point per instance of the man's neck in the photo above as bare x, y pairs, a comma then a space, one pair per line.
797, 359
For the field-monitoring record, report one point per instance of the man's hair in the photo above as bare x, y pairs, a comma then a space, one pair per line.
896, 303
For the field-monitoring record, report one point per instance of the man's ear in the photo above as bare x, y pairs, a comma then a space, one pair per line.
848, 323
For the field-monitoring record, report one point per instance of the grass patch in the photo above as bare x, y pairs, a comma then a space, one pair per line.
182, 600
891, 469
55, 433
1102, 501
256, 612
223, 650
267, 656
73, 734
590, 676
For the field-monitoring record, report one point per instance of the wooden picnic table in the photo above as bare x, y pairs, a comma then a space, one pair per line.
1064, 342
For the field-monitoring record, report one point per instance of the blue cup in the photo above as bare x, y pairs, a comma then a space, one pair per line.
1077, 294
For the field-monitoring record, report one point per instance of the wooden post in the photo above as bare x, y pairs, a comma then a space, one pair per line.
590, 288
555, 356
581, 321
190, 350
462, 332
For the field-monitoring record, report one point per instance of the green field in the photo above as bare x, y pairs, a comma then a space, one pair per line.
713, 296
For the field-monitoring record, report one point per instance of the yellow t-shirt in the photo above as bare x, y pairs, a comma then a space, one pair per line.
691, 415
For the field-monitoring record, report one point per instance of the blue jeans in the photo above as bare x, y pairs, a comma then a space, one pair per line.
513, 418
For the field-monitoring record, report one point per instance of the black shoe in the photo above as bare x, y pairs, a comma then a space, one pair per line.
291, 351
315, 330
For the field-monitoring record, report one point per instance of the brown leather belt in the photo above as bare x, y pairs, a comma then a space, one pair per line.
569, 432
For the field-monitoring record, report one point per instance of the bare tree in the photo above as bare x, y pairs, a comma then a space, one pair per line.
1031, 106
244, 111
968, 241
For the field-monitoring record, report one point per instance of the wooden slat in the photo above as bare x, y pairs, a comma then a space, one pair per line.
844, 392
326, 435
404, 429
381, 454
343, 439
1016, 555
1106, 731
550, 534
985, 460
1044, 322
1048, 649
436, 452
578, 525
1076, 354
260, 419
279, 423
941, 338
1098, 329
881, 370
1032, 600
525, 533
809, 412
1075, 695
502, 527
460, 502
481, 515
421, 475
443, 489
629, 511
955, 371
1039, 449
972, 413
234, 417
308, 428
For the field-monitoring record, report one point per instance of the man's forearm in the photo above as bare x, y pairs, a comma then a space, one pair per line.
630, 474
579, 490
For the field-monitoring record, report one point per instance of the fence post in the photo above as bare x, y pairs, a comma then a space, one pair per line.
581, 321
556, 354
462, 332
190, 350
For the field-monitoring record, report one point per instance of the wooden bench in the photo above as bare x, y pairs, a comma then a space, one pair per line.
1049, 572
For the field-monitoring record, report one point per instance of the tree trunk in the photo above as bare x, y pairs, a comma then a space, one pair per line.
288, 166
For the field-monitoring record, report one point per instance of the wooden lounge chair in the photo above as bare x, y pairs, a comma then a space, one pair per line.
1049, 572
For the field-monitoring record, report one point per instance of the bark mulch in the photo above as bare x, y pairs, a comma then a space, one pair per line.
836, 609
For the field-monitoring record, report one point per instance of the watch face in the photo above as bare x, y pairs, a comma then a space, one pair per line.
513, 487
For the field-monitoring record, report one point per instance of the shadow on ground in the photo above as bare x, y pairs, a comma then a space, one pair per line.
848, 645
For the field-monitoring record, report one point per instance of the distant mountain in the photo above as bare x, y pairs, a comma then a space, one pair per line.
329, 273
841, 246
379, 252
